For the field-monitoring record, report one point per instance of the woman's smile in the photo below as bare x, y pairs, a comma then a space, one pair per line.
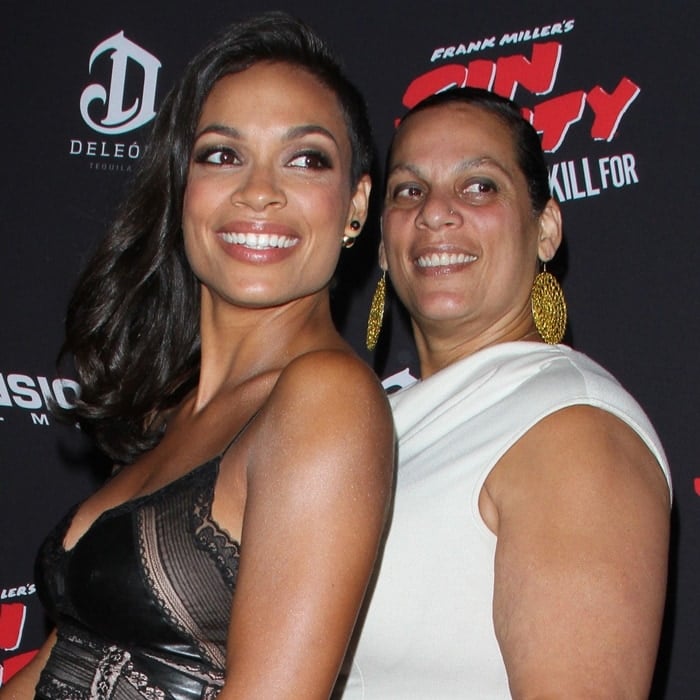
256, 236
440, 260
269, 187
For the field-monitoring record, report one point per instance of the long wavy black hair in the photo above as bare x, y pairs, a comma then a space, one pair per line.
132, 326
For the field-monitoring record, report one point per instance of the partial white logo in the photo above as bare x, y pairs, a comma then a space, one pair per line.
119, 118
36, 393
399, 380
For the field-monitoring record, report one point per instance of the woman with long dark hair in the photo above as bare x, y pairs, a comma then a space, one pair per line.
230, 551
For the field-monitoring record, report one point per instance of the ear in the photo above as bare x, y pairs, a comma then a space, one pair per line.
550, 231
383, 262
359, 206
382, 257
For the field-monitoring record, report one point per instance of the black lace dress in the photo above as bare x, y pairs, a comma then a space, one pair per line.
142, 602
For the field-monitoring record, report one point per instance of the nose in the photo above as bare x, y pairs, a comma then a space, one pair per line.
258, 189
437, 211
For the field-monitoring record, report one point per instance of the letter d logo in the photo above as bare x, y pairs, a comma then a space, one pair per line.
120, 119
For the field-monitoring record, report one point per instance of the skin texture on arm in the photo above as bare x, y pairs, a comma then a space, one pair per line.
581, 511
318, 489
22, 685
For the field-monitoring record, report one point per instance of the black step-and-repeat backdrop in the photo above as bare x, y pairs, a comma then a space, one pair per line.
614, 91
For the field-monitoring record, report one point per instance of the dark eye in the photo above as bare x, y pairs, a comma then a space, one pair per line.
217, 155
312, 160
479, 187
407, 192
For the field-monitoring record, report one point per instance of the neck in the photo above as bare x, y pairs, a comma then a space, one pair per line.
439, 350
240, 344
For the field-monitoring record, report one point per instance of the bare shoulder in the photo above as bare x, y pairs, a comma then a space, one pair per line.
332, 383
585, 448
329, 405
580, 456
328, 370
599, 446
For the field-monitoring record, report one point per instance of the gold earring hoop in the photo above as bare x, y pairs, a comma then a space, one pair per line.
548, 307
376, 313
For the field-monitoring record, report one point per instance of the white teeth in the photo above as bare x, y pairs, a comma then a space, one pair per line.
259, 241
444, 259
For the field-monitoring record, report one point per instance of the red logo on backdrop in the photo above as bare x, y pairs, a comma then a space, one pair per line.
537, 74
12, 617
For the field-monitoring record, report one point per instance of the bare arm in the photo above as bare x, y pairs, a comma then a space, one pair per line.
582, 519
23, 684
318, 491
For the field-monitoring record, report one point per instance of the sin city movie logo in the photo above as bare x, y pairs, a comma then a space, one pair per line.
552, 117
12, 618
125, 103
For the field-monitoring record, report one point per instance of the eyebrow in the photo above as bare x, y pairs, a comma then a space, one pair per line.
306, 129
218, 129
292, 133
466, 164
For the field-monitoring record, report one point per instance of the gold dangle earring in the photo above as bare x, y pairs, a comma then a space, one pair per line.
376, 313
548, 307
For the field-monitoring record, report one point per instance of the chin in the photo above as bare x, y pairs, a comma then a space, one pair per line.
445, 308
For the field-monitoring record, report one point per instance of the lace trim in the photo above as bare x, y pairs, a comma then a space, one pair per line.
164, 590
107, 672
209, 537
74, 654
140, 682
58, 690
80, 668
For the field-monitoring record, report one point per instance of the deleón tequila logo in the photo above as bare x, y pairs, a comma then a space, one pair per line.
120, 118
